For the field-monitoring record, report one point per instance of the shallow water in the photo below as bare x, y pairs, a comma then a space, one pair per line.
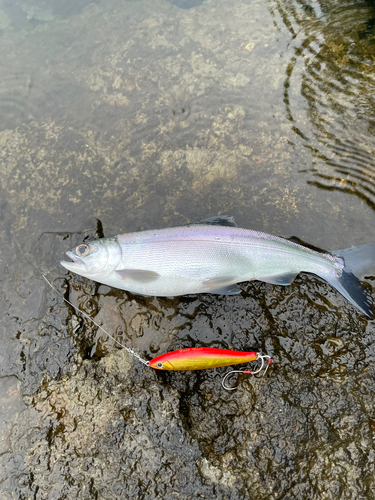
122, 116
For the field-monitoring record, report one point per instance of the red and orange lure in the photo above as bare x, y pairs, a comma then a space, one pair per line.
200, 358
195, 358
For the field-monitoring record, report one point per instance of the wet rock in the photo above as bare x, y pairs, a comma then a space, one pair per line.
133, 115
11, 405
112, 428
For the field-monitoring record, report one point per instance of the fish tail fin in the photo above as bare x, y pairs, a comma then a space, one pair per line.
351, 288
359, 262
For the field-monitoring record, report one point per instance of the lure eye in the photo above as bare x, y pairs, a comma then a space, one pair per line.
82, 250
159, 364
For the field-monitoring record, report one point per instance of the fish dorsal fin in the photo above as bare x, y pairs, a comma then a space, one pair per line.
140, 275
218, 220
279, 279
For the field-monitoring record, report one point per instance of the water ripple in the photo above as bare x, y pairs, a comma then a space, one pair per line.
15, 103
329, 88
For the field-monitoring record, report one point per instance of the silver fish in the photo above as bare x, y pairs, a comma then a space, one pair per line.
212, 256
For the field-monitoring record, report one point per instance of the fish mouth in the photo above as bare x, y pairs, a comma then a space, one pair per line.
76, 265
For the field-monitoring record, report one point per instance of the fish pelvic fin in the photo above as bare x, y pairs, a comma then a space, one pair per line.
279, 279
222, 285
227, 290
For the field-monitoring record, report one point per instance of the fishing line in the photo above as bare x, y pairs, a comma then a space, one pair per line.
130, 351
264, 360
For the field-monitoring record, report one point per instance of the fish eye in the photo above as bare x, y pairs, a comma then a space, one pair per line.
83, 250
159, 364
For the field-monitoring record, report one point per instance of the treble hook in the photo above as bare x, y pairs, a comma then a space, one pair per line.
260, 357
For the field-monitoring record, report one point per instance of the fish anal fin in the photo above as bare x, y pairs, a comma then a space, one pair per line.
279, 279
140, 275
218, 220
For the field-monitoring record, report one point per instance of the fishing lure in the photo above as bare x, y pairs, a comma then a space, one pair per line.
202, 358
193, 358
198, 358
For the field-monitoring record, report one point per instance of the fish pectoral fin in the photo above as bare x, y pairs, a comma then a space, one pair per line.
222, 285
140, 275
219, 220
279, 279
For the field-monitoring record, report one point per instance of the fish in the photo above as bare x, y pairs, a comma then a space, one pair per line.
200, 358
214, 255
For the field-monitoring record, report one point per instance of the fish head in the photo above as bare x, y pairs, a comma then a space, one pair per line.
94, 257
161, 364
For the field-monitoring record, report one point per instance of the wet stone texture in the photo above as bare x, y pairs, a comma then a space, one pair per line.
111, 425
122, 116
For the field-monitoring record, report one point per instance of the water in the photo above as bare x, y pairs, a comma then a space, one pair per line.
122, 116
